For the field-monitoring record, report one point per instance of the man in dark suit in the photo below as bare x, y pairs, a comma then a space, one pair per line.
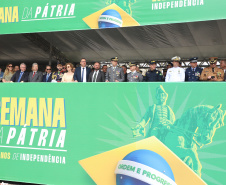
97, 75
21, 75
35, 75
82, 73
48, 76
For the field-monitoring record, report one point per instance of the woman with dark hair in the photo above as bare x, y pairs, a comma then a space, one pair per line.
69, 76
9, 72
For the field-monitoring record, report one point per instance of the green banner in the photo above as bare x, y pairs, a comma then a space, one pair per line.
17, 16
63, 133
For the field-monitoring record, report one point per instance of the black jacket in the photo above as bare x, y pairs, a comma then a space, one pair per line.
153, 76
100, 77
23, 78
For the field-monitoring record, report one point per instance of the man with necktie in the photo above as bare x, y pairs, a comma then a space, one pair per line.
21, 75
82, 73
223, 67
115, 73
48, 76
35, 75
193, 73
97, 75
212, 73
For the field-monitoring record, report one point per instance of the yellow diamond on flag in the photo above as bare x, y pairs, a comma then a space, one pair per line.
127, 20
102, 167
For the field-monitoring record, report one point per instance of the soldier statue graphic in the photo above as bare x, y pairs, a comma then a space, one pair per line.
158, 118
194, 129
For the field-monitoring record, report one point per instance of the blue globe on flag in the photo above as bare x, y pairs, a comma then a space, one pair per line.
110, 19
144, 167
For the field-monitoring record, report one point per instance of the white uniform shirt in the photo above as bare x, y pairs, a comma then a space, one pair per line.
175, 74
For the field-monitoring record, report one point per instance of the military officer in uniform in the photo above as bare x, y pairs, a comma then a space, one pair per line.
134, 76
193, 73
176, 73
153, 75
223, 67
115, 73
212, 73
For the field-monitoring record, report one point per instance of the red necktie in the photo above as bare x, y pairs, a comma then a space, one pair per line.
33, 74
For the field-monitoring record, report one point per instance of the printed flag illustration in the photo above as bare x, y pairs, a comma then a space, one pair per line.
110, 17
144, 162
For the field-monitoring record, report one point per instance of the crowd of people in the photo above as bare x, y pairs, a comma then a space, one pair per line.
68, 73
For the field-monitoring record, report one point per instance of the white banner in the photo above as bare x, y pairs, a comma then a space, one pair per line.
143, 173
110, 19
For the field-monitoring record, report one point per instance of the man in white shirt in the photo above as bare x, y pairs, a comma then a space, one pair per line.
82, 73
97, 75
176, 73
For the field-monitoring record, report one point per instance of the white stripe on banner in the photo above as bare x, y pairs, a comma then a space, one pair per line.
110, 19
143, 173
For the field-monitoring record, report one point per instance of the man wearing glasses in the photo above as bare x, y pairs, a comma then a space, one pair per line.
48, 76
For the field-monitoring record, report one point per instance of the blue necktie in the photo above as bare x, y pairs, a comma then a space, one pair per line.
21, 73
47, 77
82, 73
